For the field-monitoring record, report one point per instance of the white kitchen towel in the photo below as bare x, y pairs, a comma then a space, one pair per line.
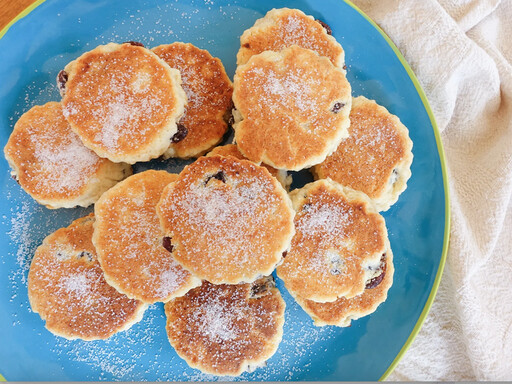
461, 52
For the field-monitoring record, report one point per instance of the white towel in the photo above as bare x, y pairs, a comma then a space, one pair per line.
461, 52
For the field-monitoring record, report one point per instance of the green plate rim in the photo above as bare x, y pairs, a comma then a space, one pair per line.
21, 15
442, 157
447, 217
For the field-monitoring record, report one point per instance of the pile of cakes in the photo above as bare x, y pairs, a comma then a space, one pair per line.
206, 241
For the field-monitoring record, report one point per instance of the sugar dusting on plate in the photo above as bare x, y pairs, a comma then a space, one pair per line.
104, 354
27, 226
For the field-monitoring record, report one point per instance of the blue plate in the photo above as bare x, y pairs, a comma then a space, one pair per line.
34, 50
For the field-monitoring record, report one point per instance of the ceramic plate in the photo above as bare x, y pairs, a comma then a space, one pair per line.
55, 32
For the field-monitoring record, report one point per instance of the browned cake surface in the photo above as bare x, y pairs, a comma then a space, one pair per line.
128, 239
49, 160
343, 310
282, 28
232, 150
293, 107
222, 329
339, 240
209, 92
376, 145
67, 288
228, 220
119, 99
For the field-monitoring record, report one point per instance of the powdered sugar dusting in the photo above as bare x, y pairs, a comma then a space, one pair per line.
133, 364
208, 90
285, 100
228, 218
292, 87
78, 284
327, 226
170, 280
26, 226
213, 206
141, 83
51, 160
194, 85
201, 80
296, 31
217, 321
329, 220
67, 166
20, 234
118, 114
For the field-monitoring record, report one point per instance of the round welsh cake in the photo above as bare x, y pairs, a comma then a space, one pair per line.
53, 166
292, 108
376, 158
123, 101
342, 311
227, 329
67, 288
209, 92
339, 242
282, 28
128, 240
226, 220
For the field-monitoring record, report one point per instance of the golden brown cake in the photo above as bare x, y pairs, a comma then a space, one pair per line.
342, 311
227, 329
375, 159
123, 101
339, 242
282, 28
209, 92
67, 288
53, 166
292, 108
226, 220
128, 241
